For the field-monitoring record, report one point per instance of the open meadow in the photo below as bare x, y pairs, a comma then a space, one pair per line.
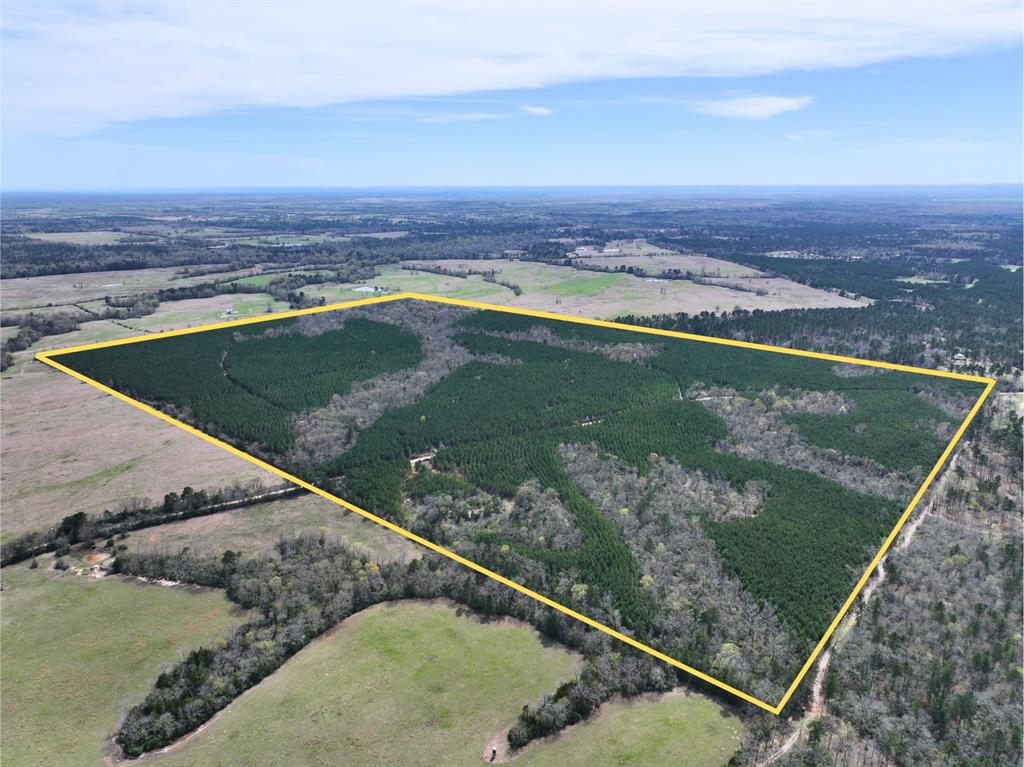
77, 651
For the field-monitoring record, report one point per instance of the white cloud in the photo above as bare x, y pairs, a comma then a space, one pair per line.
537, 111
752, 107
70, 67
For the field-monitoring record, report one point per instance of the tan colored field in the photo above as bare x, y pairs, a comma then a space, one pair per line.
27, 292
67, 447
640, 253
80, 238
257, 528
703, 266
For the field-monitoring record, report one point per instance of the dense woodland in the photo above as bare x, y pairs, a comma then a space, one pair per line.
498, 420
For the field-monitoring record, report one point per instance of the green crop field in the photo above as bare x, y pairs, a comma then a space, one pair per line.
404, 684
77, 651
586, 285
498, 420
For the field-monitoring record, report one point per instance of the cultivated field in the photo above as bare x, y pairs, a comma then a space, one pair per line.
77, 651
406, 684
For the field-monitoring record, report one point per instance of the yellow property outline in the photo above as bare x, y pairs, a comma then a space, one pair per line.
47, 357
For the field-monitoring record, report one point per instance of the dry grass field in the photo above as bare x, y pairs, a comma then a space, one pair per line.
67, 447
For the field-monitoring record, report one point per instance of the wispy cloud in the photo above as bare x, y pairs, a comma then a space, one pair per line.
951, 145
806, 136
460, 117
71, 67
751, 107
537, 111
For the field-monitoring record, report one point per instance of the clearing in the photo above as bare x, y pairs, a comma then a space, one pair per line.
565, 290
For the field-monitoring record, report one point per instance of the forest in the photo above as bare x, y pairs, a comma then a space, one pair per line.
521, 390
244, 383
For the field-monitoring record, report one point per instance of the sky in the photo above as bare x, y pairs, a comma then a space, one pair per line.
189, 95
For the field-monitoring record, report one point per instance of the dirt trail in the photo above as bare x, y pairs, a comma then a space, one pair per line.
817, 708
499, 746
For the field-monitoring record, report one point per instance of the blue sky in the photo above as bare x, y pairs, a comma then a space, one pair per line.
802, 100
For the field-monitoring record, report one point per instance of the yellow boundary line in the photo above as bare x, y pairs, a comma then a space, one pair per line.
47, 358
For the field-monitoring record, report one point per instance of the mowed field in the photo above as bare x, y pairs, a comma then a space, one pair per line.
257, 528
77, 651
417, 684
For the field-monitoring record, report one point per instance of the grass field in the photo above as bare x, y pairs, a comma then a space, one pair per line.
586, 284
397, 279
200, 311
257, 528
405, 684
76, 651
677, 729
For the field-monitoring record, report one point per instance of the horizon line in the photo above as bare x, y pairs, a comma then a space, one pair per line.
1019, 185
